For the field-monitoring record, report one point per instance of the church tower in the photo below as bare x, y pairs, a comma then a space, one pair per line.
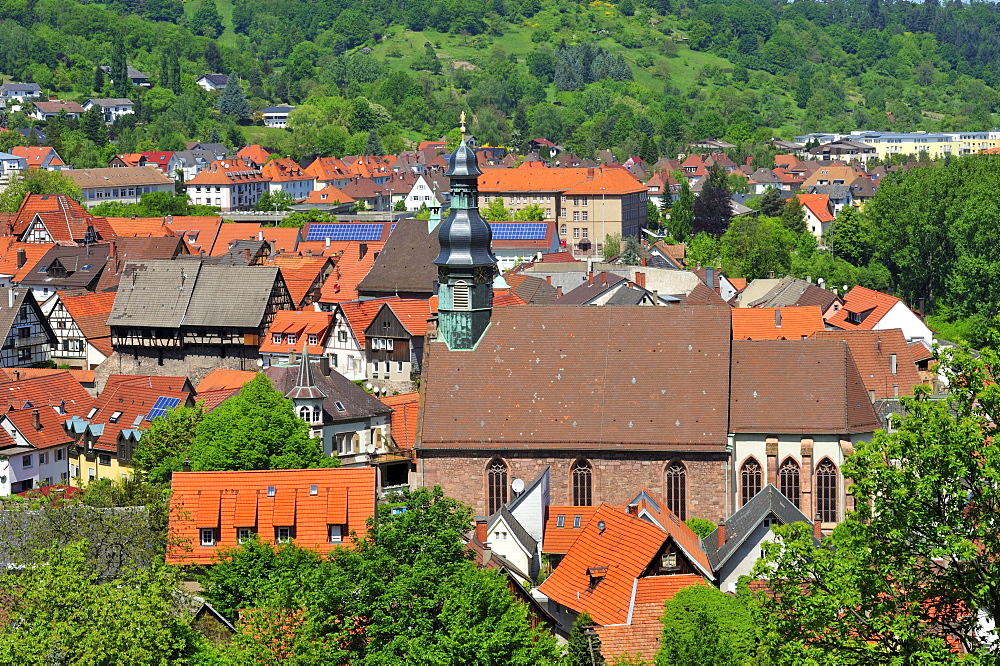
466, 265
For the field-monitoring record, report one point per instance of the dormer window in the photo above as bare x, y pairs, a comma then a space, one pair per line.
291, 338
668, 562
276, 338
596, 575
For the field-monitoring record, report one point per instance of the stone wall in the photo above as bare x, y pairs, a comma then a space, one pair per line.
617, 477
192, 361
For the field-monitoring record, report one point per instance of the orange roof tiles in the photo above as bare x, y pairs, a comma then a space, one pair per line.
501, 298
91, 312
582, 180
35, 156
63, 217
558, 540
791, 323
327, 168
642, 636
254, 153
225, 501
403, 427
140, 227
224, 378
608, 182
228, 172
51, 390
867, 304
302, 274
299, 324
198, 232
33, 252
132, 401
872, 352
15, 374
283, 170
342, 285
739, 283
818, 205
359, 315
328, 195
50, 431
412, 314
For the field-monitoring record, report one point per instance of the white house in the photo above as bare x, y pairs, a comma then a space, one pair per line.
867, 309
515, 531
424, 192
113, 108
28, 336
345, 343
230, 184
19, 92
212, 82
124, 184
285, 175
10, 164
35, 452
276, 116
52, 108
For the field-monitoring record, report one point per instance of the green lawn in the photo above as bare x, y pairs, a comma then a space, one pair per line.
265, 136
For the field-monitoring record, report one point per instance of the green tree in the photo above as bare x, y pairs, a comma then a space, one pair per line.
93, 125
232, 101
702, 625
771, 203
530, 213
754, 247
584, 645
279, 200
793, 216
119, 67
612, 246
495, 211
908, 571
700, 526
256, 429
630, 255
373, 146
51, 612
98, 79
36, 181
163, 448
850, 236
703, 250
681, 222
206, 21
399, 205
713, 208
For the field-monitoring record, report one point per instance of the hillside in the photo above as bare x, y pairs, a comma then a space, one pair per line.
636, 77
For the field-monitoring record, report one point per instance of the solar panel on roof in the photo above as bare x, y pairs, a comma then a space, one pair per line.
345, 232
161, 406
519, 230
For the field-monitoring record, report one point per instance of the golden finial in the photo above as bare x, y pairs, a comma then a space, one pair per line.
461, 119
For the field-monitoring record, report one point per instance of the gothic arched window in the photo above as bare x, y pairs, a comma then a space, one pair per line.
788, 480
496, 485
583, 483
461, 297
826, 491
675, 489
751, 477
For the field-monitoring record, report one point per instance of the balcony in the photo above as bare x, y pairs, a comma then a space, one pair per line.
30, 341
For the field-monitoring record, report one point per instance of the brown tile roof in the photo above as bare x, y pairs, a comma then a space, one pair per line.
702, 295
794, 291
406, 263
600, 377
792, 323
872, 352
118, 177
33, 253
798, 386
55, 106
403, 428
15, 374
228, 500
531, 289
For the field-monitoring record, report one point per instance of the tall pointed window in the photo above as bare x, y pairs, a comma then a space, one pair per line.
460, 297
675, 489
496, 485
583, 483
788, 480
826, 491
750, 476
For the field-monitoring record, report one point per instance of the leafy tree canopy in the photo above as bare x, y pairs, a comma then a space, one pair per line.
36, 181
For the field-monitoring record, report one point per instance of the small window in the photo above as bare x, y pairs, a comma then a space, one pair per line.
336, 533
43, 458
314, 489
342, 336
26, 461
577, 521
313, 339
340, 406
60, 454
668, 561
291, 338
560, 521
244, 534
270, 491
208, 537
114, 417
276, 338
284, 534
104, 459
91, 413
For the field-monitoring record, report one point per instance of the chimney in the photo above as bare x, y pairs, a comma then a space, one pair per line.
187, 466
590, 277
809, 279
260, 235
777, 317
112, 250
604, 279
892, 364
548, 278
895, 390
324, 366
169, 219
643, 261
640, 279
11, 297
362, 250
710, 278
558, 292
22, 257
818, 526
722, 534
36, 419
481, 535
246, 255
656, 297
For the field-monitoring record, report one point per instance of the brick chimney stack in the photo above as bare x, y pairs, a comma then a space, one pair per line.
722, 534
818, 526
36, 419
481, 535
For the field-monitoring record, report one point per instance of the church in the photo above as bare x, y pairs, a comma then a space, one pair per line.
613, 399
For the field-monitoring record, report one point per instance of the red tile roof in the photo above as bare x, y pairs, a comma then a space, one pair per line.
198, 232
359, 315
224, 378
35, 156
254, 153
144, 227
867, 304
230, 171
558, 540
134, 401
51, 431
327, 168
794, 323
329, 195
342, 285
16, 374
225, 501
302, 274
872, 352
33, 252
49, 390
300, 324
91, 312
65, 219
818, 205
412, 314
559, 257
577, 180
284, 170
403, 427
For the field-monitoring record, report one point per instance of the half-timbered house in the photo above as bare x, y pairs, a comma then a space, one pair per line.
394, 341
27, 336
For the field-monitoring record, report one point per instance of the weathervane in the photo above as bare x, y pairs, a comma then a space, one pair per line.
461, 119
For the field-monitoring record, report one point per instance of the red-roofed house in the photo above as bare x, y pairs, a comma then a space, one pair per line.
403, 426
288, 177
352, 267
80, 323
818, 214
316, 508
35, 447
869, 310
289, 329
254, 154
394, 340
231, 184
616, 553
346, 343
329, 171
329, 197
39, 157
304, 275
792, 323
57, 218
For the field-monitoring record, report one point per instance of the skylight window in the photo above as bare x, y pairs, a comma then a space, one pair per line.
340, 406
271, 490
577, 520
91, 413
114, 417
560, 520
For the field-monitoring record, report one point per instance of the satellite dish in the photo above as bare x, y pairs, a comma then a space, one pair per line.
260, 362
368, 386
517, 485
370, 449
601, 525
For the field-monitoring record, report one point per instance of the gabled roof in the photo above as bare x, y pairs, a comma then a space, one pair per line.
797, 386
139, 176
590, 290
229, 171
301, 274
91, 312
132, 403
216, 79
301, 323
36, 156
50, 431
9, 308
768, 503
403, 428
527, 543
56, 106
872, 352
356, 402
69, 267
412, 315
351, 269
224, 378
49, 390
359, 315
818, 205
531, 289
284, 169
789, 291
867, 304
588, 389
228, 500
558, 540
328, 195
792, 323
64, 218
253, 153
406, 263
198, 232
12, 253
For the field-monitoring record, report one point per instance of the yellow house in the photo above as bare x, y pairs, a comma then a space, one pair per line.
105, 438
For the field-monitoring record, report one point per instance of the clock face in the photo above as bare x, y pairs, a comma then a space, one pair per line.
482, 274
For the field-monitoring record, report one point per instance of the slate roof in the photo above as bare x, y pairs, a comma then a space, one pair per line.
526, 541
357, 402
8, 313
171, 294
794, 291
797, 386
768, 502
216, 79
83, 265
406, 263
531, 289
227, 500
871, 351
793, 323
832, 191
600, 377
